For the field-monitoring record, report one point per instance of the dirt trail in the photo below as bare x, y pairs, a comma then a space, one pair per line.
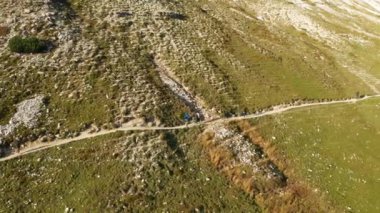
35, 147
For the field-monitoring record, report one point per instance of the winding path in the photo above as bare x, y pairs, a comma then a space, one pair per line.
35, 147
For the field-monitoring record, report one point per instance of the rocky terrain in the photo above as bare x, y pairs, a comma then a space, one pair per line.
109, 52
340, 25
27, 115
187, 65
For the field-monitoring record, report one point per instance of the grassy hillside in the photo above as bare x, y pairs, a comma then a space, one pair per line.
100, 67
335, 148
106, 63
151, 172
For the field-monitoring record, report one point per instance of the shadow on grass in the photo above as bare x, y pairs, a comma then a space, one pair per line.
64, 6
172, 143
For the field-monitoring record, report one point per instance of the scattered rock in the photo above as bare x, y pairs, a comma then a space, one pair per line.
27, 114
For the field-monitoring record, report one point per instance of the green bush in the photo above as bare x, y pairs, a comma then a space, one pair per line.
26, 45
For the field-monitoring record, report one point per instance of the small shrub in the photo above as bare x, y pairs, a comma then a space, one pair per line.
26, 45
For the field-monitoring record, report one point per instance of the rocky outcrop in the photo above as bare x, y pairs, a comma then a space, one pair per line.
27, 114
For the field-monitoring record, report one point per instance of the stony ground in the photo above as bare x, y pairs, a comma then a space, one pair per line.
101, 67
152, 62
149, 172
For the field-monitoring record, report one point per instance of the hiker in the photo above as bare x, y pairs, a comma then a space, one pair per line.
186, 117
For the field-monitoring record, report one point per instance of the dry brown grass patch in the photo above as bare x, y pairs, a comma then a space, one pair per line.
273, 153
4, 30
296, 196
273, 195
222, 159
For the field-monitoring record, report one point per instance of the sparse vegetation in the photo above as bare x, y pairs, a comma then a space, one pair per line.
232, 57
107, 174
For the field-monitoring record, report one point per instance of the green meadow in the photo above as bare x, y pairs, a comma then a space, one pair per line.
335, 148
